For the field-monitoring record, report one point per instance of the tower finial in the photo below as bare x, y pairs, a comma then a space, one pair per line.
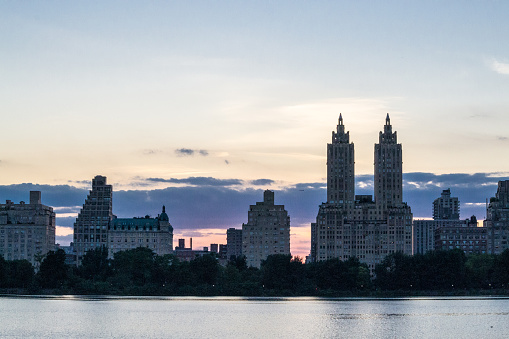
340, 119
387, 120
164, 209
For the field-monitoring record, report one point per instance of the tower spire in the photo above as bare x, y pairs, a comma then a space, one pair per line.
387, 120
340, 135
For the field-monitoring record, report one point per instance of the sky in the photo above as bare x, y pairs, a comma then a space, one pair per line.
200, 105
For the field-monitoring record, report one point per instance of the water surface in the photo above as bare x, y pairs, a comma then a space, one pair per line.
118, 317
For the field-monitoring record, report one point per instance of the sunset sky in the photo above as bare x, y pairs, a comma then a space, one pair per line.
201, 105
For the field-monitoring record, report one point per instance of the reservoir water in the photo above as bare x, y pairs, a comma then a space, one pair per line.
224, 317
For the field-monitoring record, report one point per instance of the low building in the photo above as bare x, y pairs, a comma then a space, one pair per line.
130, 233
468, 237
184, 253
424, 232
27, 231
233, 243
223, 251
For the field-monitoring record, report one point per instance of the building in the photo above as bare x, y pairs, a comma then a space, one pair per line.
467, 237
446, 207
223, 251
130, 233
96, 226
497, 219
214, 248
388, 169
91, 226
27, 231
266, 232
233, 243
184, 253
350, 225
445, 214
424, 232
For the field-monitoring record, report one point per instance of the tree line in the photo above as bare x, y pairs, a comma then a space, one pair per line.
141, 272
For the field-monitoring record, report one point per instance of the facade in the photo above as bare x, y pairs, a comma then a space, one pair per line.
446, 207
467, 237
91, 226
266, 232
130, 233
350, 225
27, 231
497, 219
424, 232
233, 243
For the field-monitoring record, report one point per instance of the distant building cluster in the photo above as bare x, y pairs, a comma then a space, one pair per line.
347, 225
446, 231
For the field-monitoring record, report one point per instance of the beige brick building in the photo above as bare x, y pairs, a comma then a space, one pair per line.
350, 225
266, 232
27, 231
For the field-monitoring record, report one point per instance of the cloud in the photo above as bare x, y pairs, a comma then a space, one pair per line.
67, 209
151, 151
200, 181
503, 138
262, 182
499, 67
79, 182
184, 152
51, 195
310, 185
211, 203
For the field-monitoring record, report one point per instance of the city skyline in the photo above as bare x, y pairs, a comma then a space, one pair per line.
218, 102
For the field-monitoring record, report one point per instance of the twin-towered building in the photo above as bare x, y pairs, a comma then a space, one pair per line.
350, 225
347, 225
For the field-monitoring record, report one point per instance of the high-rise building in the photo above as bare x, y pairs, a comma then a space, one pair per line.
91, 226
388, 168
130, 233
266, 232
446, 207
341, 168
27, 231
497, 219
350, 225
233, 243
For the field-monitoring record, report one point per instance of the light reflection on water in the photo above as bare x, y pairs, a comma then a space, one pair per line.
189, 317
